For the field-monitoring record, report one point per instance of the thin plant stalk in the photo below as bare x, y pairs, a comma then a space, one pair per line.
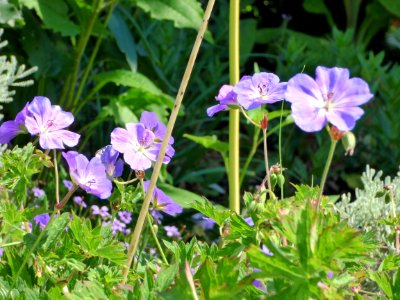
234, 117
326, 170
153, 233
266, 160
56, 178
80, 50
250, 156
174, 114
280, 146
90, 63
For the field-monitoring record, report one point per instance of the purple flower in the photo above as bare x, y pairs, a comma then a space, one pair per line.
140, 143
117, 225
89, 175
172, 231
79, 200
48, 121
265, 250
259, 285
125, 216
1, 252
102, 212
37, 192
162, 202
68, 184
330, 274
249, 221
204, 222
26, 226
9, 129
157, 216
261, 88
42, 220
332, 97
109, 158
151, 122
137, 144
225, 97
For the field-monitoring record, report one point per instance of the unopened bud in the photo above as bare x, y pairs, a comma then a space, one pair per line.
139, 174
276, 169
336, 134
264, 122
349, 142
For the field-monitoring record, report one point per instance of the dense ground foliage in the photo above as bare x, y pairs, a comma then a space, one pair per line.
86, 89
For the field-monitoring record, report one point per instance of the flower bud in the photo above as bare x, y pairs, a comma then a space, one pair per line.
139, 174
264, 123
349, 142
276, 169
336, 134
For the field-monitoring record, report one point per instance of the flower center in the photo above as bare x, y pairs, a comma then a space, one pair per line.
263, 88
91, 182
329, 101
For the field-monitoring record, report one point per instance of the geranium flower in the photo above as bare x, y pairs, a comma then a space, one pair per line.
203, 221
261, 88
48, 121
332, 97
9, 129
109, 157
125, 216
102, 212
172, 231
225, 97
89, 175
42, 220
151, 122
162, 202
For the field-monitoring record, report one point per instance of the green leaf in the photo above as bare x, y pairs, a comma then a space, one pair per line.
184, 13
191, 200
114, 252
276, 266
209, 142
54, 15
54, 229
318, 7
9, 14
129, 79
303, 237
124, 39
165, 277
392, 6
383, 280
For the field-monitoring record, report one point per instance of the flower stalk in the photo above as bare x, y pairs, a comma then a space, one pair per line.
174, 114
234, 117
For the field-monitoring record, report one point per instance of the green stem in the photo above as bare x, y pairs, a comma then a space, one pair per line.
248, 118
157, 167
80, 50
280, 145
125, 182
234, 117
326, 169
250, 156
153, 233
149, 220
90, 63
271, 193
56, 178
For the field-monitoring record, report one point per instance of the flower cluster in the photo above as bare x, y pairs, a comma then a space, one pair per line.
332, 97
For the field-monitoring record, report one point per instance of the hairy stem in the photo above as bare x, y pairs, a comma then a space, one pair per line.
174, 114
234, 117
56, 178
326, 170
280, 146
266, 161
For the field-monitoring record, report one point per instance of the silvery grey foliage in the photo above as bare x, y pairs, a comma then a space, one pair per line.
10, 75
370, 207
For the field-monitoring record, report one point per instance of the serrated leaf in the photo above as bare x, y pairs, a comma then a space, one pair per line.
53, 230
383, 281
165, 277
